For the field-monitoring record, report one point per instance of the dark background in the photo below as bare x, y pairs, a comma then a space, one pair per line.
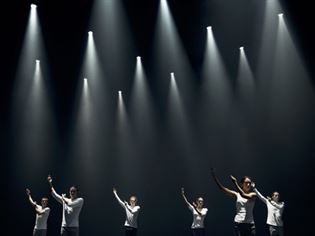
277, 152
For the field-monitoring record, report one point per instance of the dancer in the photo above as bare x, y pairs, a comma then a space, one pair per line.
42, 213
132, 212
244, 224
199, 214
71, 208
275, 210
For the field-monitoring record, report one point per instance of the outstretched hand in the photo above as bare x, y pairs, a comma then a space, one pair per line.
28, 192
253, 184
233, 178
183, 191
114, 190
49, 178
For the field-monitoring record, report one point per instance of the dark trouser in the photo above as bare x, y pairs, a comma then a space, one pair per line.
275, 230
198, 232
130, 231
69, 231
39, 232
244, 229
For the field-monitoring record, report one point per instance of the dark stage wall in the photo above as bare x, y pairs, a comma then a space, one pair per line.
251, 117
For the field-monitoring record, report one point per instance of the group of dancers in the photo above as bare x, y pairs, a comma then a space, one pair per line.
244, 196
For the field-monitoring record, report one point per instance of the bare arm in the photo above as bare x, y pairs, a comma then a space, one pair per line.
65, 199
40, 211
259, 195
185, 199
75, 203
279, 205
229, 192
28, 193
196, 209
53, 192
131, 210
190, 206
34, 204
118, 199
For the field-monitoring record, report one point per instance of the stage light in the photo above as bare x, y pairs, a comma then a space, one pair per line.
37, 61
33, 6
138, 58
241, 48
119, 92
172, 73
280, 14
209, 27
90, 33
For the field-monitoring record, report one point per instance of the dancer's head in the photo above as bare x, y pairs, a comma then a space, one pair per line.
199, 202
246, 184
44, 202
275, 196
133, 201
73, 192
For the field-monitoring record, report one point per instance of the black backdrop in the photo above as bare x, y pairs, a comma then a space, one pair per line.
281, 154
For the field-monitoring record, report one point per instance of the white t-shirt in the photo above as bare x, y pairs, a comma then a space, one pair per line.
198, 220
71, 211
131, 213
244, 210
275, 210
41, 219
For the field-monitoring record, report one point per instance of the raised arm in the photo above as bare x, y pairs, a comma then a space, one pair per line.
245, 195
53, 192
34, 204
190, 206
118, 199
259, 195
28, 193
185, 199
229, 192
